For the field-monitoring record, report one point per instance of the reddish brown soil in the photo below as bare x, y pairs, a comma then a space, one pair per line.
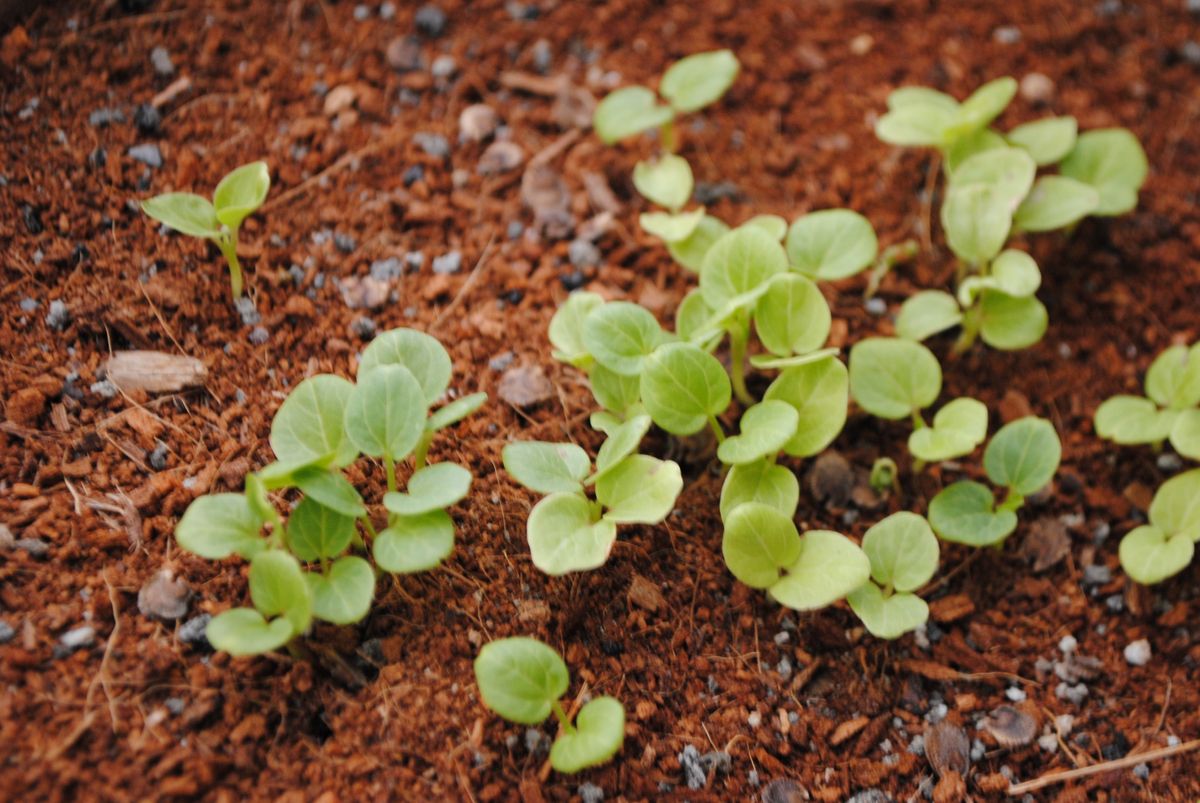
405, 721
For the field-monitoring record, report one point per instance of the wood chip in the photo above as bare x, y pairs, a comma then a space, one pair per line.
931, 670
645, 594
525, 386
848, 729
951, 608
1046, 543
153, 371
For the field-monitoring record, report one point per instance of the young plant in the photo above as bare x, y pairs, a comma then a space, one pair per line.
688, 85
1170, 410
567, 531
904, 555
523, 680
1164, 547
895, 379
236, 197
312, 566
1021, 457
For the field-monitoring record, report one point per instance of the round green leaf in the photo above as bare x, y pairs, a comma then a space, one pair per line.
1176, 506
763, 482
309, 427
903, 551
344, 595
547, 467
765, 428
1008, 171
887, 617
1149, 555
241, 192
916, 123
957, 429
424, 357
1056, 202
738, 267
1009, 323
963, 148
413, 544
1023, 455
185, 213
666, 181
831, 244
639, 490
792, 317
277, 586
563, 537
821, 395
693, 319
622, 442
759, 541
620, 335
1047, 141
671, 228
926, 313
566, 328
219, 525
984, 105
976, 221
331, 489
520, 679
690, 252
829, 567
385, 416
1133, 419
907, 96
1013, 273
893, 378
455, 411
1174, 378
965, 514
315, 531
773, 225
697, 80
244, 631
435, 487
682, 385
598, 735
1185, 434
1112, 161
628, 111
613, 391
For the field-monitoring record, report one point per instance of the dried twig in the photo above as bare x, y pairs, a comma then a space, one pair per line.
1107, 766
467, 285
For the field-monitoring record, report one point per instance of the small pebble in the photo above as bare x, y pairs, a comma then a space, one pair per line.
193, 630
583, 254
385, 270
693, 770
1007, 34
1048, 742
29, 304
876, 305
1096, 575
536, 741
1172, 741
78, 637
1142, 771
102, 117
501, 361
1138, 653
147, 119
590, 793
1191, 52
937, 713
977, 750
754, 720
160, 59
175, 705
59, 316
259, 335
247, 311
1115, 603
515, 229
1075, 694
448, 263
1014, 694
7, 632
542, 56
344, 243
361, 13
158, 457
434, 145
363, 327
1037, 87
1067, 644
917, 745
34, 547
148, 154
784, 668
1168, 461
104, 389
387, 11
443, 67
430, 20
414, 261
413, 174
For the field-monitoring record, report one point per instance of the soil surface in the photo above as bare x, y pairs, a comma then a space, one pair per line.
346, 103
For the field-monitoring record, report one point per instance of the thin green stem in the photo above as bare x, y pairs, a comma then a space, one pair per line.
737, 362
228, 246
970, 330
390, 465
422, 451
918, 420
666, 135
716, 428
889, 258
563, 721
1013, 500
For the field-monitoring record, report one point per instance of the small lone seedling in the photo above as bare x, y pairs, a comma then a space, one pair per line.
236, 197
323, 427
895, 379
904, 555
523, 680
688, 85
1164, 547
1023, 457
1170, 410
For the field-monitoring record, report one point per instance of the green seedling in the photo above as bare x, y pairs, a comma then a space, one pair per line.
568, 531
1170, 410
523, 680
885, 476
904, 555
688, 85
892, 378
312, 566
236, 197
1022, 457
763, 549
1164, 547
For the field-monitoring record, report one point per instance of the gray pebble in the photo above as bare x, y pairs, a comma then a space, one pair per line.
1138, 653
1191, 53
590, 793
709, 192
1048, 742
35, 547
1075, 694
583, 254
104, 389
515, 229
435, 145
937, 713
693, 770
147, 119
361, 13
430, 20
175, 705
1142, 771
1096, 575
1115, 603
413, 174
158, 457
1168, 461
7, 632
876, 305
344, 243
1014, 693
522, 12
193, 630
501, 361
536, 741
448, 263
59, 316
542, 56
259, 335
784, 668
247, 311
752, 778
160, 58
1007, 34
29, 304
148, 154
78, 637
386, 269
443, 67
1108, 8
870, 796
102, 117
977, 750
387, 11
363, 327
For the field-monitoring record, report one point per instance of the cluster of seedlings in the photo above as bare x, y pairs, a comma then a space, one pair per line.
757, 308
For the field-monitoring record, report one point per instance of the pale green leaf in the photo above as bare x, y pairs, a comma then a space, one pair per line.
331, 489
621, 442
1149, 555
682, 386
547, 467
965, 513
774, 362
244, 631
761, 481
424, 357
893, 378
920, 96
792, 317
738, 268
1173, 379
666, 181
434, 487
765, 428
916, 124
219, 525
344, 594
185, 213
957, 429
984, 105
1013, 273
639, 490
693, 319
315, 531
759, 541
1009, 172
671, 228
1132, 420
964, 147
563, 536
520, 679
903, 551
455, 411
613, 391
977, 222
773, 225
277, 586
598, 735
628, 111
309, 427
1056, 202
1176, 505
1023, 455
690, 252
620, 335
887, 617
1185, 434
240, 192
697, 80
566, 328
1112, 161
926, 313
385, 416
831, 244
829, 567
1047, 141
1009, 323
414, 543
820, 393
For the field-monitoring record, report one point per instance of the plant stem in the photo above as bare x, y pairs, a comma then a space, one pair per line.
666, 135
228, 246
1012, 501
890, 257
563, 721
716, 428
422, 451
737, 362
918, 420
970, 330
390, 465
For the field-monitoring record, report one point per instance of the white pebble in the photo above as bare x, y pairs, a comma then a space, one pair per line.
1067, 644
1137, 653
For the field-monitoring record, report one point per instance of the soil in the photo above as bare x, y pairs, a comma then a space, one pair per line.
388, 709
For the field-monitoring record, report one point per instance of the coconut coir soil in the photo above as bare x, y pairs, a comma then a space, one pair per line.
388, 710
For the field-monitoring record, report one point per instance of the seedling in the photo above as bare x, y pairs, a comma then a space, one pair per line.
236, 197
688, 85
1170, 411
567, 531
523, 680
1022, 457
904, 555
1164, 547
895, 379
325, 425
